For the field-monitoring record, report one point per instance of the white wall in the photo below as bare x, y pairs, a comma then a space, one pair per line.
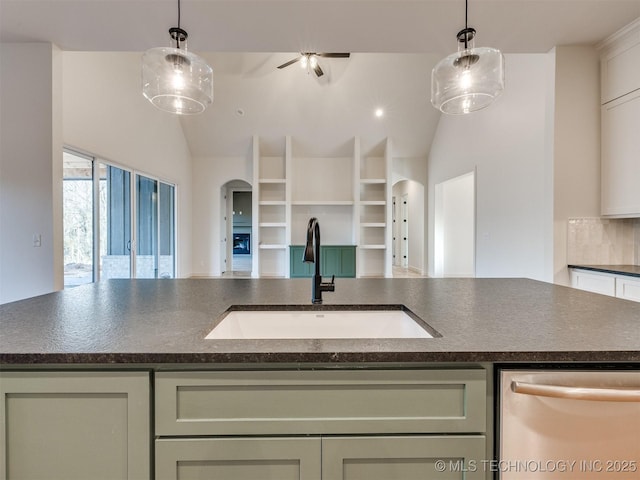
209, 175
30, 165
507, 144
576, 149
106, 115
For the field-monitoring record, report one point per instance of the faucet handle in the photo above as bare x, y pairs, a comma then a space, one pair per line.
329, 286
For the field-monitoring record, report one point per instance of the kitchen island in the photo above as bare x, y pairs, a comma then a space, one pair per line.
122, 368
129, 322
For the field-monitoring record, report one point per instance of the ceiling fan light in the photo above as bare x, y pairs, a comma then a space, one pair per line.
468, 80
176, 81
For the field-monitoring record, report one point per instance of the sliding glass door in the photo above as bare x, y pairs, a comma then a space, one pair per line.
117, 224
155, 229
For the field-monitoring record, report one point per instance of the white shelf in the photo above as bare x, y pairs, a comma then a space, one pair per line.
373, 202
372, 247
371, 181
322, 202
373, 225
272, 202
272, 247
272, 180
272, 224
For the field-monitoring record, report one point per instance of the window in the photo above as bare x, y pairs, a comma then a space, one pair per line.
99, 213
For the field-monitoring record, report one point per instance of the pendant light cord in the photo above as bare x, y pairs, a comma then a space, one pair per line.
466, 16
466, 13
177, 33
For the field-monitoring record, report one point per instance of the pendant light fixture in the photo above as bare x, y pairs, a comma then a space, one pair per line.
469, 79
175, 80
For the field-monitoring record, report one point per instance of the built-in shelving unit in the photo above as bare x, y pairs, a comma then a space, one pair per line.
272, 220
373, 170
350, 195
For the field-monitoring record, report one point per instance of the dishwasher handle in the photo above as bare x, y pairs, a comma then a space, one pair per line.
577, 393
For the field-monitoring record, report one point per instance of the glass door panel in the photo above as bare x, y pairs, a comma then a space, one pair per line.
115, 222
167, 231
78, 219
146, 227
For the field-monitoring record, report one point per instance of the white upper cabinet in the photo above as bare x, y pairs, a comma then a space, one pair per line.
620, 167
620, 62
620, 148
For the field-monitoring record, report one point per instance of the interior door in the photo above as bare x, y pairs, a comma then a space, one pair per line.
404, 231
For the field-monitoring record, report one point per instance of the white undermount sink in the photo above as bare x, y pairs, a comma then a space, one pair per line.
301, 323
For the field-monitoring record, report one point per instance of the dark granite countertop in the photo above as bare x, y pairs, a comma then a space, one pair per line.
165, 321
629, 270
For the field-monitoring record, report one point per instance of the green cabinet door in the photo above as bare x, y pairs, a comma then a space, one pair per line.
238, 458
407, 458
338, 260
298, 268
75, 425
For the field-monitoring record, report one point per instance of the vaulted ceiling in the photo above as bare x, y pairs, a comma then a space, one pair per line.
394, 45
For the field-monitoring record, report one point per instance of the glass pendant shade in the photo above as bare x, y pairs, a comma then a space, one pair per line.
176, 81
469, 79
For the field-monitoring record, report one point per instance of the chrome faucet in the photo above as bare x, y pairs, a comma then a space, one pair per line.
313, 239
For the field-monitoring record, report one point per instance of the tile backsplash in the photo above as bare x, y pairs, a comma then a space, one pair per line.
603, 241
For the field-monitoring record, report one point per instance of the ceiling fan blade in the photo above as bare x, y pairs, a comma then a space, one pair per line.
290, 62
318, 71
334, 55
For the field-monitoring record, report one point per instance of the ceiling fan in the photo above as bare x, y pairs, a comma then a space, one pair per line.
309, 61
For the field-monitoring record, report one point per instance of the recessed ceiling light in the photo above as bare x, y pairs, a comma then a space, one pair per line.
379, 113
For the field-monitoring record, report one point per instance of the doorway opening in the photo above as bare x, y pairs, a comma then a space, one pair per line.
236, 248
455, 227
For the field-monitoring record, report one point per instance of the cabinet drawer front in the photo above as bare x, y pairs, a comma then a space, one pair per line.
602, 283
238, 458
320, 401
384, 458
628, 288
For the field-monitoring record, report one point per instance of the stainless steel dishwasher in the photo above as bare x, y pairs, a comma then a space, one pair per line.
569, 424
